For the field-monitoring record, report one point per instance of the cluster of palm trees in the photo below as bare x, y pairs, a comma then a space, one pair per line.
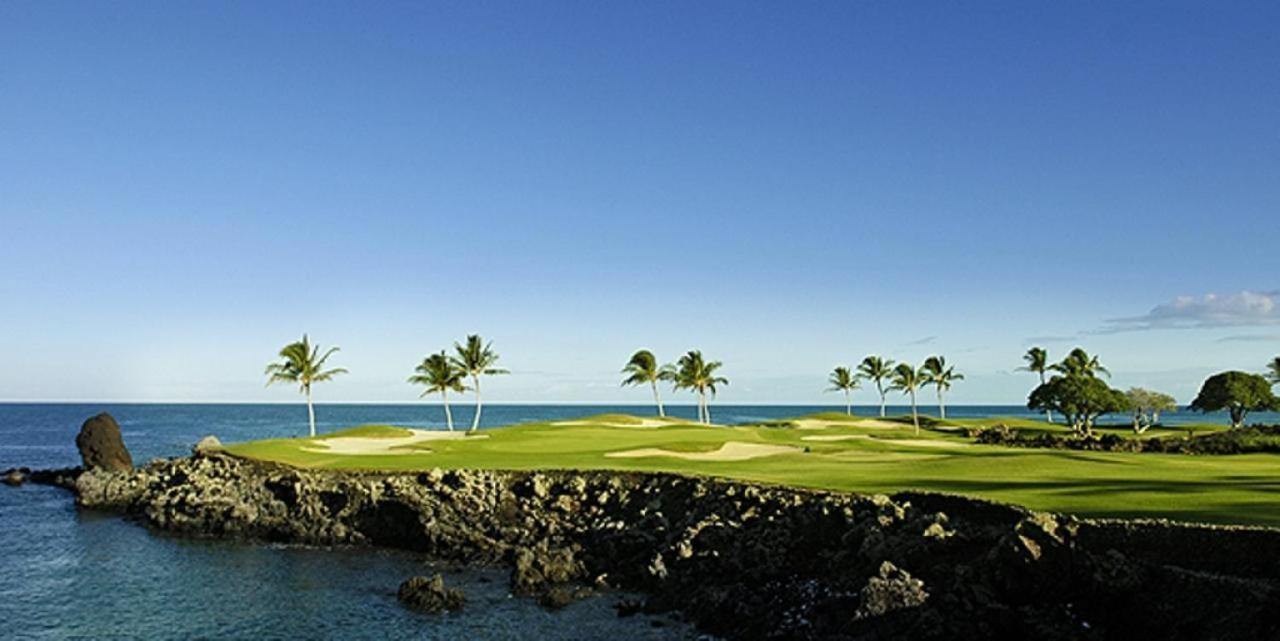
304, 364
691, 372
440, 373
900, 377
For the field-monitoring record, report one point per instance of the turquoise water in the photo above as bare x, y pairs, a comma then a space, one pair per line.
67, 573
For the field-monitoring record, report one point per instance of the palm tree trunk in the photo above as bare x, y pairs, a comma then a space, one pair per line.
1048, 413
942, 408
706, 407
881, 389
475, 422
311, 412
448, 415
915, 416
658, 399
848, 403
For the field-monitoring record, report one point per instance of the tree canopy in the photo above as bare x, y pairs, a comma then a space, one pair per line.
1081, 398
1237, 392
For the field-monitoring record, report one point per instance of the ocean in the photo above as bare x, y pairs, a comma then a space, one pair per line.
69, 573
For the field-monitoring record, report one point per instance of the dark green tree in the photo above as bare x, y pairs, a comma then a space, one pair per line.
1080, 398
1237, 392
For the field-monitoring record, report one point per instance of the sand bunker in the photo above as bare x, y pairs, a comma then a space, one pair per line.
731, 451
819, 424
946, 445
355, 445
834, 437
642, 423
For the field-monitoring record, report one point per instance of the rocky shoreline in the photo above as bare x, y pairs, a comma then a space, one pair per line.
739, 560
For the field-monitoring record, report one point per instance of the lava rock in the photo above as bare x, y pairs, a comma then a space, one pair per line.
891, 589
430, 595
14, 476
101, 446
206, 445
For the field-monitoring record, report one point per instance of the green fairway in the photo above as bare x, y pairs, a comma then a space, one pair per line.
831, 451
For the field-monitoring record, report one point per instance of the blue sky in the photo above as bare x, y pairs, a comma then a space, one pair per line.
787, 186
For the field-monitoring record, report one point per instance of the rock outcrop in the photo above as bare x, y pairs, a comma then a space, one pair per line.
430, 595
745, 561
101, 445
206, 445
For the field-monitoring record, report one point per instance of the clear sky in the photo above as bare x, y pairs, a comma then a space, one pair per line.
185, 187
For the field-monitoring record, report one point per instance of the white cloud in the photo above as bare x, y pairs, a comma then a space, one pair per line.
1243, 309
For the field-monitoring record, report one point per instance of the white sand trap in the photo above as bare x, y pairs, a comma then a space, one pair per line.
358, 445
641, 423
879, 423
946, 445
819, 424
730, 451
835, 437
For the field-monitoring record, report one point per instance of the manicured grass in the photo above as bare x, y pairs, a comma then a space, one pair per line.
878, 458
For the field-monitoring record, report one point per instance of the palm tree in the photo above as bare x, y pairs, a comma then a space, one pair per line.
694, 373
1273, 371
439, 374
643, 369
303, 364
843, 380
1038, 362
879, 370
907, 380
475, 359
939, 375
1080, 363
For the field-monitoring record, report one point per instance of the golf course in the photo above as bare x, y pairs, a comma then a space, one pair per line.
831, 451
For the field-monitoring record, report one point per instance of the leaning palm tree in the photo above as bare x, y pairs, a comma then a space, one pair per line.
1273, 371
695, 373
643, 369
842, 379
1080, 363
439, 374
938, 374
1038, 362
476, 359
303, 364
879, 370
907, 380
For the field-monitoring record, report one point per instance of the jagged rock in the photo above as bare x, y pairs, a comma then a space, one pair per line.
206, 445
540, 567
101, 445
430, 595
891, 589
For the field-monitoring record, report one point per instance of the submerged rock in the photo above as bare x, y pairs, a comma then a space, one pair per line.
101, 445
430, 595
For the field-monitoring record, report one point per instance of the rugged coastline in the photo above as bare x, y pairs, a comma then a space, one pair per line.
739, 560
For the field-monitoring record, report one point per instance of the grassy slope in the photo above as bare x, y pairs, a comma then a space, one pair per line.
1223, 489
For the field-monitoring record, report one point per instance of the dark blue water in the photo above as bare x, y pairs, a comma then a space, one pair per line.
66, 573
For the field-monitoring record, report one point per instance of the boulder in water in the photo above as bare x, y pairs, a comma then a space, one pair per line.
101, 446
430, 595
14, 477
